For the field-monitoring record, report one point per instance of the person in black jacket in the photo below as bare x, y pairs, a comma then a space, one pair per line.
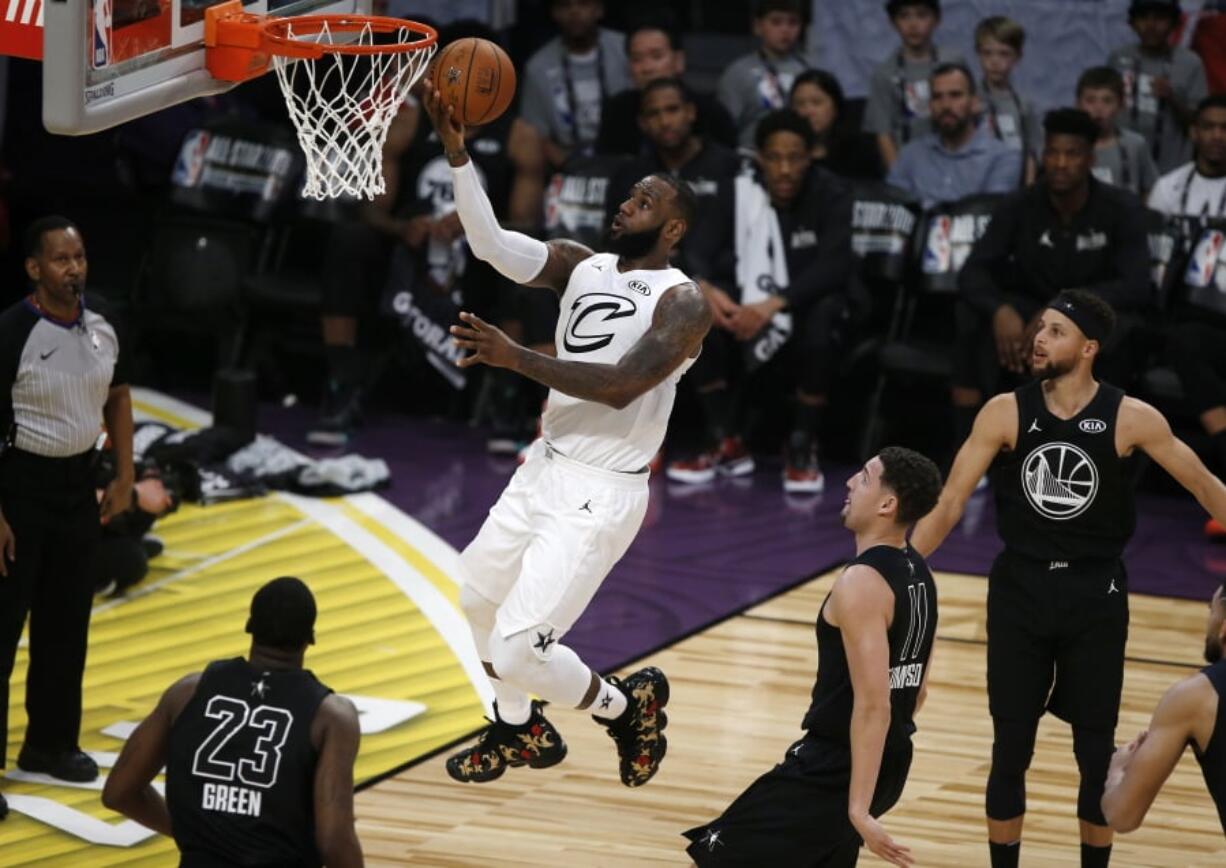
1068, 231
667, 117
813, 210
653, 48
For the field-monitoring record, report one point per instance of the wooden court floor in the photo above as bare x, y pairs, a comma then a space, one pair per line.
739, 691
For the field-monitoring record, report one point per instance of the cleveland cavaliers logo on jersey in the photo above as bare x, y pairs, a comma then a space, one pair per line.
589, 315
1060, 480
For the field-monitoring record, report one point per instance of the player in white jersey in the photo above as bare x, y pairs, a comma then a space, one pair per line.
629, 327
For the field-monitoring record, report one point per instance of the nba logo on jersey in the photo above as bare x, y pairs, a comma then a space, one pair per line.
1205, 260
102, 34
938, 252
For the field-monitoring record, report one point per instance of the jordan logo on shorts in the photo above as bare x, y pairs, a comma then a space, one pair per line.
587, 507
711, 839
1113, 589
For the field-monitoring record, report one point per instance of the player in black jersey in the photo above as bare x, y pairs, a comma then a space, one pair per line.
258, 753
1059, 451
874, 645
1192, 712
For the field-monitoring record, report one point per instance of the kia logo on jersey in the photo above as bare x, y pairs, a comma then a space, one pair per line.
587, 313
1093, 426
640, 287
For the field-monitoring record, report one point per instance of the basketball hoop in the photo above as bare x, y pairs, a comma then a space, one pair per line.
344, 77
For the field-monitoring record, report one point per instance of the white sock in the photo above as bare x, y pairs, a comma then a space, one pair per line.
514, 706
610, 702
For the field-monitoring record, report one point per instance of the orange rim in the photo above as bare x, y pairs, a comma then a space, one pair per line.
277, 41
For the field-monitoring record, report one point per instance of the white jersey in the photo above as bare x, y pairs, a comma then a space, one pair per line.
1186, 192
603, 314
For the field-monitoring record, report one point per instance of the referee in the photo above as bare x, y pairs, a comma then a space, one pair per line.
60, 378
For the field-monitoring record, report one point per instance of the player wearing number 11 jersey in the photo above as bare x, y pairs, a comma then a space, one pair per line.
258, 753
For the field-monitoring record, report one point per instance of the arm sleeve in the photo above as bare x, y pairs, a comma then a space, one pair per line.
515, 255
879, 113
831, 270
977, 284
1130, 289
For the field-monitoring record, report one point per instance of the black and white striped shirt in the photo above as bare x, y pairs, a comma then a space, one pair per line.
55, 378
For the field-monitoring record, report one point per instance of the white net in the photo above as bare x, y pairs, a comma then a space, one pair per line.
342, 104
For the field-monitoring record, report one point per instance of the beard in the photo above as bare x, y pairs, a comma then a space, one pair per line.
1052, 369
635, 245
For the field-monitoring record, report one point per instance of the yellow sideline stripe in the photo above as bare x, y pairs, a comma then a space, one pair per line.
372, 641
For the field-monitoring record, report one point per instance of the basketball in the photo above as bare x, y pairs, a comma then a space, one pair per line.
475, 76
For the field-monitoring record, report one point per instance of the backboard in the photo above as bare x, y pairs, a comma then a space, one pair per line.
109, 61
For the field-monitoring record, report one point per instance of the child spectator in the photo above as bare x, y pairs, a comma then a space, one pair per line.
1121, 157
759, 82
999, 42
897, 109
1162, 83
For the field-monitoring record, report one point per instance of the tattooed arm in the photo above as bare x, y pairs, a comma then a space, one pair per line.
680, 322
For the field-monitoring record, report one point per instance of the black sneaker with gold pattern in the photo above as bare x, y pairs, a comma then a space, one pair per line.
535, 744
639, 732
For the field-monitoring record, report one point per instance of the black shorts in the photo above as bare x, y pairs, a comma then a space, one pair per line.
796, 814
1056, 635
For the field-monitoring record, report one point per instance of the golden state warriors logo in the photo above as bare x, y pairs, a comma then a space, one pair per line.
1060, 480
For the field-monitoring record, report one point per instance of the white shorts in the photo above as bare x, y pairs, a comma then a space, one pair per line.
552, 537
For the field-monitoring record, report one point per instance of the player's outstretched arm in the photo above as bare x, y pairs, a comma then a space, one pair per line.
680, 322
516, 256
995, 429
1139, 769
129, 789
337, 726
860, 605
1143, 427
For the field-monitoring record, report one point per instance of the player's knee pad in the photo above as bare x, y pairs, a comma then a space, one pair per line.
1012, 749
1093, 749
522, 658
479, 611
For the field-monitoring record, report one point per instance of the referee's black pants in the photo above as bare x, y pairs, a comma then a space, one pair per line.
51, 507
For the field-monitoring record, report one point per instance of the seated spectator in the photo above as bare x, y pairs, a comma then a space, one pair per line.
668, 118
960, 158
567, 80
897, 110
1121, 157
654, 49
785, 300
759, 82
1163, 82
1198, 189
415, 225
1067, 231
1197, 341
818, 97
999, 42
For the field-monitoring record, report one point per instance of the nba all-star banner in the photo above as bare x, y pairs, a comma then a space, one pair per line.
1063, 37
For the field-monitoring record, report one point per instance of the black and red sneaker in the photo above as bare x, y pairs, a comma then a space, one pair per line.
535, 744
639, 732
